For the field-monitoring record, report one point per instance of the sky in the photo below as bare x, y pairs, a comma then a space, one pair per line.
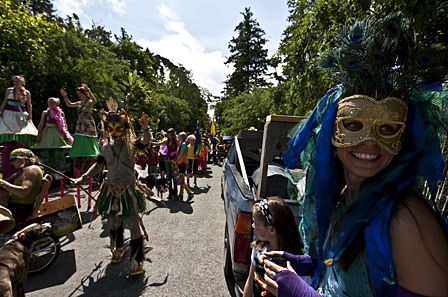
192, 33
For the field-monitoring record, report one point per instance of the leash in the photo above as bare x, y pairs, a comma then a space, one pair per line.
66, 177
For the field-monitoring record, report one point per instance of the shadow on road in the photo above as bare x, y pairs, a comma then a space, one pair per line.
114, 280
65, 264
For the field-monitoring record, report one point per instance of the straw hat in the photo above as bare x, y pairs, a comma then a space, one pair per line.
7, 222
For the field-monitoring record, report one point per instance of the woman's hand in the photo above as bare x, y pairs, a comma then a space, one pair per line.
63, 93
273, 254
271, 270
78, 181
144, 121
85, 87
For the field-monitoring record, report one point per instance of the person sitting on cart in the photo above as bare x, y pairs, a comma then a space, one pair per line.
122, 197
24, 186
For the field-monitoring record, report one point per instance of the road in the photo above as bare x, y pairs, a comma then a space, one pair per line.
184, 255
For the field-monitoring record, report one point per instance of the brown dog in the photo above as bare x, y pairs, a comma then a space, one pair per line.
14, 257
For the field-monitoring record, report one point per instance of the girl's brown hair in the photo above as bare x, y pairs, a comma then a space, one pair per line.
284, 224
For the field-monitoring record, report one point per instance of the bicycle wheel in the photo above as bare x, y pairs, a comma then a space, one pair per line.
43, 254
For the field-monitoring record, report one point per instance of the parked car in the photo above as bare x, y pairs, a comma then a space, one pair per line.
252, 170
223, 148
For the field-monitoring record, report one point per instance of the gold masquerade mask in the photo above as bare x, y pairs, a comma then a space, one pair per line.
360, 118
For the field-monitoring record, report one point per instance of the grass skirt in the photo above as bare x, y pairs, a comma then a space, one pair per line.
121, 199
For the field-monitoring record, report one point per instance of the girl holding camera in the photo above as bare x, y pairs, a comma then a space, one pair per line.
276, 230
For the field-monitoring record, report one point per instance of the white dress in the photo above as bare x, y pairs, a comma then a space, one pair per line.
14, 124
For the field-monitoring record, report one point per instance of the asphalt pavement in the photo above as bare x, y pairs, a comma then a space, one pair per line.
183, 257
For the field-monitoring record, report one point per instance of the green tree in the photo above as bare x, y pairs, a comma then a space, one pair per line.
177, 82
248, 57
43, 7
100, 35
244, 111
138, 59
312, 30
23, 47
138, 95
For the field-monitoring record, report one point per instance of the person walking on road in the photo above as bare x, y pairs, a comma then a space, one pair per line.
122, 197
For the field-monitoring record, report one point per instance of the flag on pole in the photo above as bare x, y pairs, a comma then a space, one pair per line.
213, 128
198, 141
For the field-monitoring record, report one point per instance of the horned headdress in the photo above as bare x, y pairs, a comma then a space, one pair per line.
116, 117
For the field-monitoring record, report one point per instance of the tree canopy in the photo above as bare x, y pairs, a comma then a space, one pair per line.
53, 53
248, 57
311, 30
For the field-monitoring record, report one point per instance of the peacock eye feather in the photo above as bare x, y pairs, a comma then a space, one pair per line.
352, 64
380, 56
358, 33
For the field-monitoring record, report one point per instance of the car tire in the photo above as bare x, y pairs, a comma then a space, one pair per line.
228, 271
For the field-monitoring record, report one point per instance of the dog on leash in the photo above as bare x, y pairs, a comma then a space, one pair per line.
162, 186
14, 257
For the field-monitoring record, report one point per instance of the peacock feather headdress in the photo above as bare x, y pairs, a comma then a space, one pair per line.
382, 58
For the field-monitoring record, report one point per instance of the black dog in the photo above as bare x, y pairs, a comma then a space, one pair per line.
162, 186
14, 257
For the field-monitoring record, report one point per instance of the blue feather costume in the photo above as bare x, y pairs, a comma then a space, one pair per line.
420, 158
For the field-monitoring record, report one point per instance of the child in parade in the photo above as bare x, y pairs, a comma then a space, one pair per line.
16, 126
192, 160
182, 164
276, 229
153, 162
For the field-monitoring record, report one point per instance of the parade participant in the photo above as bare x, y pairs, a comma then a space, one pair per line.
163, 150
368, 146
192, 160
26, 185
214, 144
171, 143
181, 163
53, 137
16, 126
122, 198
153, 165
85, 145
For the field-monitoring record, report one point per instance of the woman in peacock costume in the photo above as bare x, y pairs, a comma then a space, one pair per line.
372, 150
